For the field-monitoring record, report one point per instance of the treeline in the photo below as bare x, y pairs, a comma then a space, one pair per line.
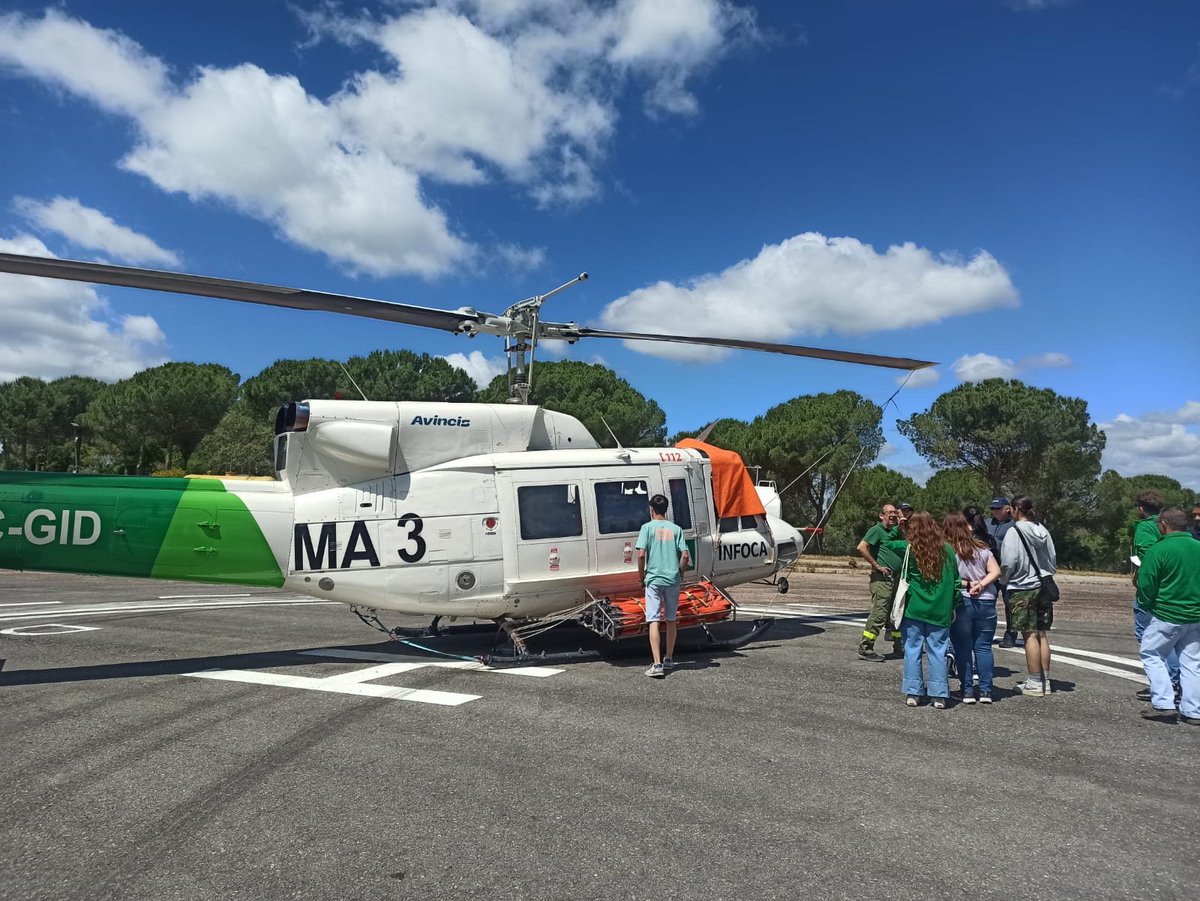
993, 438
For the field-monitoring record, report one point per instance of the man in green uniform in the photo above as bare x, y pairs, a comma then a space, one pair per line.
1146, 534
885, 564
1169, 591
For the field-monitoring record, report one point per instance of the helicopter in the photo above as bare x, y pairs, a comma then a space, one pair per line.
512, 512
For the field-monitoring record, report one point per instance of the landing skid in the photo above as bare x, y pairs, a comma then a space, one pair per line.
516, 636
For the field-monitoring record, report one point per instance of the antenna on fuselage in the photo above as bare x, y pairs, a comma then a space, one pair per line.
352, 382
616, 440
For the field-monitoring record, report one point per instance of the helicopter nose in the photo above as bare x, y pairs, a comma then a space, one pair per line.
788, 540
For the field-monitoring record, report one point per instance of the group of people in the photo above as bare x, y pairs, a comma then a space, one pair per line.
952, 573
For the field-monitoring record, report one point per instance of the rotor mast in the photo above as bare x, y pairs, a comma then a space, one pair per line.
521, 339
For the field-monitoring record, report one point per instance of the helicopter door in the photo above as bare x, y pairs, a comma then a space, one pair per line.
551, 542
689, 510
622, 508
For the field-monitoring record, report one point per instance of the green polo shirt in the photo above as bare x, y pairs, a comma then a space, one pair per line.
1169, 580
876, 538
931, 602
1145, 536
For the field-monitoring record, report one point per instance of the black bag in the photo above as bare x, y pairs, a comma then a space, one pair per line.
1047, 587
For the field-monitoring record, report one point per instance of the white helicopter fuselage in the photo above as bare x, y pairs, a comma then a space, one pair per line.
543, 522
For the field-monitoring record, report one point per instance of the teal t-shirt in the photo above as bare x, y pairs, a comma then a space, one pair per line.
663, 542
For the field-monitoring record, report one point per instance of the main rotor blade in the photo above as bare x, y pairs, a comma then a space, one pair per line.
227, 289
796, 350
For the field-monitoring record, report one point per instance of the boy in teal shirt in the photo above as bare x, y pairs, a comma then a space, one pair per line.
662, 559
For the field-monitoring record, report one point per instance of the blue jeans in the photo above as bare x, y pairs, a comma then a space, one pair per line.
1141, 619
932, 641
1160, 639
972, 632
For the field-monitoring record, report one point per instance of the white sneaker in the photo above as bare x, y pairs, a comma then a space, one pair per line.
1030, 688
656, 671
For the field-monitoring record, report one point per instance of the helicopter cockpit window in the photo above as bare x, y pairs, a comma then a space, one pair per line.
549, 511
681, 510
622, 506
729, 524
749, 522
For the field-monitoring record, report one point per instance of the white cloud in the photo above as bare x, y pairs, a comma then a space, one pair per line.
522, 259
92, 229
51, 328
919, 378
1160, 443
466, 91
1047, 361
811, 285
977, 367
478, 366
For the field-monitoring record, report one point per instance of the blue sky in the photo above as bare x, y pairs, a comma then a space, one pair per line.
1008, 187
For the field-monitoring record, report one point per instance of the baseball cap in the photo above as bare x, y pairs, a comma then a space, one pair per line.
904, 506
999, 502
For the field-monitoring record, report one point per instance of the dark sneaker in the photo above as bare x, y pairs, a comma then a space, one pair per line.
656, 671
668, 664
985, 697
1159, 716
968, 697
1144, 695
911, 701
870, 656
1190, 720
1009, 640
939, 703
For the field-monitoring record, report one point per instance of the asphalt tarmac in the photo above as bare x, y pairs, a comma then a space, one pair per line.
319, 762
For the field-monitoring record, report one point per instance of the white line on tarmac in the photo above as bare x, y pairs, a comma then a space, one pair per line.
1062, 654
344, 654
30, 603
182, 597
151, 608
420, 695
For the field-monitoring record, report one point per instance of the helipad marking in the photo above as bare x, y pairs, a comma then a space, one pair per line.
540, 672
341, 686
55, 629
357, 682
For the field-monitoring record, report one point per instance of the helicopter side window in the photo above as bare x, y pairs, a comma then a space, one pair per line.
681, 510
729, 524
622, 506
750, 522
549, 511
280, 453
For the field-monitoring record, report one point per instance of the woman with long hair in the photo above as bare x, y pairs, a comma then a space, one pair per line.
975, 616
1027, 556
932, 591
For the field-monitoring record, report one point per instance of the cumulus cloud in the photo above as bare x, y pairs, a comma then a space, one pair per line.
51, 328
461, 92
977, 367
1160, 443
812, 285
919, 378
478, 366
92, 229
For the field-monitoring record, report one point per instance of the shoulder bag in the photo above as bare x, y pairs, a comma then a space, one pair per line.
1047, 587
901, 598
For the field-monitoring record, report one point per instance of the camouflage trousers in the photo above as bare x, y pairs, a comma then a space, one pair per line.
883, 590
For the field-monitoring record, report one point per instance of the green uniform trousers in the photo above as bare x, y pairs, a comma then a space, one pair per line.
883, 591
